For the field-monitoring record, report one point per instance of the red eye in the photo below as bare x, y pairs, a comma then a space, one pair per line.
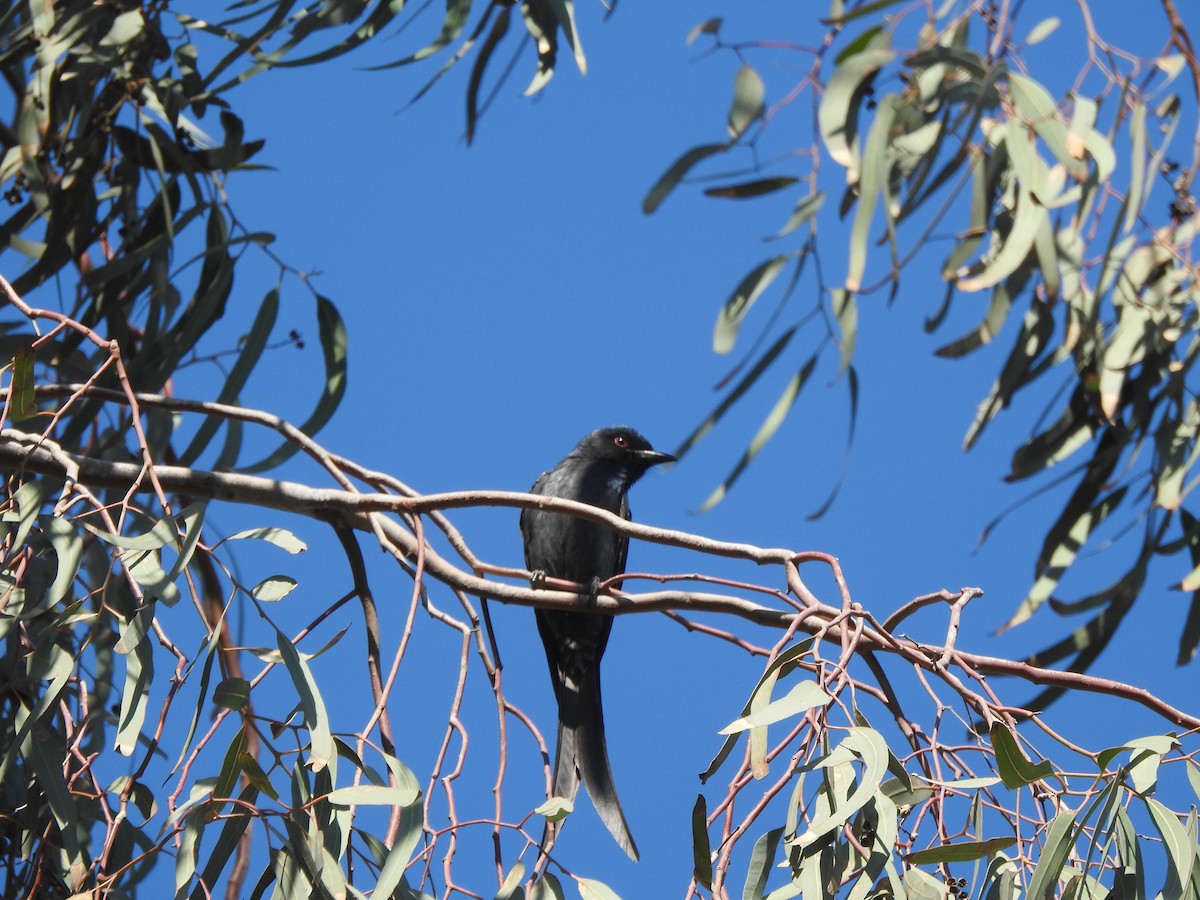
620, 440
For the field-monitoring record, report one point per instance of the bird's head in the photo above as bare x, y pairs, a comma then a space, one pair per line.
621, 447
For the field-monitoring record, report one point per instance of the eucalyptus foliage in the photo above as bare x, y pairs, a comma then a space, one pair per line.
1073, 221
160, 718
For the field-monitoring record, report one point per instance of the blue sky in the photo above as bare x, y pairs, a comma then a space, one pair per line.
506, 298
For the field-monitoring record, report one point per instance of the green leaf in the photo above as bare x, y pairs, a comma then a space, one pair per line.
1136, 194
1081, 516
163, 532
708, 26
205, 658
374, 795
125, 27
457, 13
49, 663
677, 170
237, 820
495, 35
749, 189
564, 11
748, 380
876, 168
701, 851
274, 588
1178, 450
765, 432
590, 889
68, 548
28, 502
252, 349
232, 693
845, 313
993, 321
804, 696
806, 207
22, 399
1145, 756
869, 746
1012, 249
139, 676
555, 809
1042, 30
548, 888
762, 860
322, 751
1059, 840
867, 9
1038, 109
332, 333
963, 851
48, 779
837, 115
729, 321
784, 663
1015, 770
748, 106
1074, 428
1181, 849
859, 44
1172, 65
512, 882
412, 823
280, 537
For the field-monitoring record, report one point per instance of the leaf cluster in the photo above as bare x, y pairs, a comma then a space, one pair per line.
1069, 217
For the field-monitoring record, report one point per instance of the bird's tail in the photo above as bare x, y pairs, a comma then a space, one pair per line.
582, 752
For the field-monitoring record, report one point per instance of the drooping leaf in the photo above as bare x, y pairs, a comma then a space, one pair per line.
332, 332
845, 313
729, 322
321, 751
1055, 850
677, 170
762, 860
784, 663
869, 746
873, 180
701, 851
1038, 110
837, 115
806, 207
765, 432
747, 381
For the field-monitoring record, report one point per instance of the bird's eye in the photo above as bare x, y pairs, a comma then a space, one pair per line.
620, 440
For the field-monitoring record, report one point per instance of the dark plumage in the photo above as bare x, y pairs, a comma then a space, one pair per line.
599, 471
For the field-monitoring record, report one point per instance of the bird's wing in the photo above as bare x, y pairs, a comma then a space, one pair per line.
623, 551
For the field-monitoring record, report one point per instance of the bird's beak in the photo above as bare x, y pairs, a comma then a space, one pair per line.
654, 457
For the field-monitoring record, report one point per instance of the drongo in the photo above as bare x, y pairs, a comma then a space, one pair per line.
599, 472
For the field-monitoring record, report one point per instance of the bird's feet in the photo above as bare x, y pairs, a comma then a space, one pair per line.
537, 579
592, 594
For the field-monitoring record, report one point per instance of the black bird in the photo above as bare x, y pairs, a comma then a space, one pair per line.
599, 471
